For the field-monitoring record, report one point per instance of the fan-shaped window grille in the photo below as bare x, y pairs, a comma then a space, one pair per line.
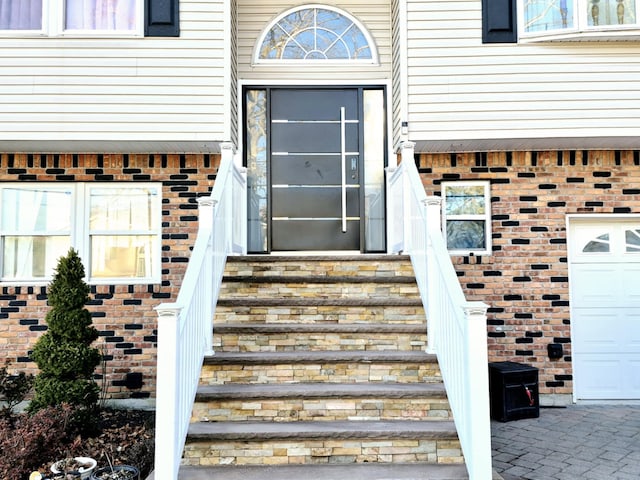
314, 34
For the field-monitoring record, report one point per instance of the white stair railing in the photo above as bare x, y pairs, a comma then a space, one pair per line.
185, 327
456, 328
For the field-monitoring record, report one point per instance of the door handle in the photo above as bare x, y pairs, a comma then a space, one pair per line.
343, 163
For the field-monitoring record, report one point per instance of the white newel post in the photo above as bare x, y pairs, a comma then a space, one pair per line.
434, 309
167, 392
477, 400
407, 155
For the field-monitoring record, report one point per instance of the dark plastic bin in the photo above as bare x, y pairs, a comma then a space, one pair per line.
513, 391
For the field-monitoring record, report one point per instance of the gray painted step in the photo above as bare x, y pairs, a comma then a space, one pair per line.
370, 430
321, 390
362, 471
272, 358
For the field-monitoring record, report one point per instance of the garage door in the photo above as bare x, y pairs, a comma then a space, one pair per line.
605, 308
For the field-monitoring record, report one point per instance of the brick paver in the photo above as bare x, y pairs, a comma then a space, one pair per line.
572, 443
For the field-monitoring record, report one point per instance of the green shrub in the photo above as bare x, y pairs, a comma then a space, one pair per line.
64, 353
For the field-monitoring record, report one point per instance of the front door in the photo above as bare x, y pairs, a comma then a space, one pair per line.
311, 193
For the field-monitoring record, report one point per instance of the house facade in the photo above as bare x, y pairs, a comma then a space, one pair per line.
524, 117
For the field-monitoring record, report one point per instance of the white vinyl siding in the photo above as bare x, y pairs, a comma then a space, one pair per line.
462, 93
150, 91
255, 15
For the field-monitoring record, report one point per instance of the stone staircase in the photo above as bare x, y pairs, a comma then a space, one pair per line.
320, 372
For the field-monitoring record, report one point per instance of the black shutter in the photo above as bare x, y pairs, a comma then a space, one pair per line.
161, 18
499, 24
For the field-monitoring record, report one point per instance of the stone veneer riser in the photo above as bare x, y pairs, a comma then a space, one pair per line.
326, 314
353, 450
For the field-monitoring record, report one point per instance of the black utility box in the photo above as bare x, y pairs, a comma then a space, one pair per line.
513, 391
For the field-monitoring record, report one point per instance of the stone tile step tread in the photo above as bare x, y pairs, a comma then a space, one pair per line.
322, 279
329, 430
297, 357
359, 471
321, 390
371, 328
320, 302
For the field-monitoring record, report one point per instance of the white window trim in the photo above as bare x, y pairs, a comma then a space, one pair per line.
486, 216
374, 60
80, 234
581, 30
53, 15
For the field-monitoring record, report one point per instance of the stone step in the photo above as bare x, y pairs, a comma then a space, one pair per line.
321, 402
361, 471
319, 265
270, 443
320, 366
390, 311
249, 337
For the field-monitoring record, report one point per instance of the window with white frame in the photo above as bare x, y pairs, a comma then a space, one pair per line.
115, 227
466, 216
62, 17
548, 17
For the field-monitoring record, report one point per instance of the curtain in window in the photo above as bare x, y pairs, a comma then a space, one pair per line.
115, 15
20, 14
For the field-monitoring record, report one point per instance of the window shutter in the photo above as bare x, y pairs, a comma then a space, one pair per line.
161, 18
499, 24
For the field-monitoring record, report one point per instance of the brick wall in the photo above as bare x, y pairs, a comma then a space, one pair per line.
123, 314
525, 280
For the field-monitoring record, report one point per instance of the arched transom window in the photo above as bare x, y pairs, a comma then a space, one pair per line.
315, 33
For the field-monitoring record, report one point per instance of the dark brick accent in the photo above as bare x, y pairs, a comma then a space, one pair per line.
38, 328
496, 334
523, 315
554, 384
492, 273
561, 340
520, 241
540, 266
28, 321
524, 353
547, 186
512, 297
524, 340
533, 334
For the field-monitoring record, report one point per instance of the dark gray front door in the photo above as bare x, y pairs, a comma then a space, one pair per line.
315, 159
315, 169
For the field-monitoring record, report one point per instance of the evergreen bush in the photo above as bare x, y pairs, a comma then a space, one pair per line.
64, 353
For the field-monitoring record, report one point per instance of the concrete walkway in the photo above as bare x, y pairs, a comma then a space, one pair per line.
577, 442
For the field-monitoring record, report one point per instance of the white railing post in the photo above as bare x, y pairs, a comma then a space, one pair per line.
434, 307
206, 209
167, 390
476, 358
407, 153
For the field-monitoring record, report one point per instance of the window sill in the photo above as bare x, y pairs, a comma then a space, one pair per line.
630, 35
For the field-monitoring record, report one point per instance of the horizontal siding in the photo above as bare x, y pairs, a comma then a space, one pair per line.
461, 90
118, 89
255, 15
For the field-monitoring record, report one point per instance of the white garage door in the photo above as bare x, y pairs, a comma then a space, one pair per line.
605, 308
